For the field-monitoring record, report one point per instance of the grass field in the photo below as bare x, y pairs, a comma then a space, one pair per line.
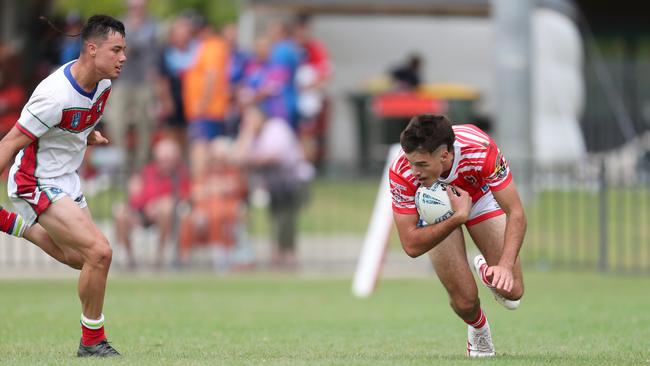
565, 319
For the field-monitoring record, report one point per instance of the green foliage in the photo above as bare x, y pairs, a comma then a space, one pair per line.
565, 319
217, 12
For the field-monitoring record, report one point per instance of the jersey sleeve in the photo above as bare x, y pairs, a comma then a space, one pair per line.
41, 113
402, 193
496, 171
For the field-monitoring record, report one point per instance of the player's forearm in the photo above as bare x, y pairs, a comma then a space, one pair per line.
10, 144
6, 153
514, 237
421, 240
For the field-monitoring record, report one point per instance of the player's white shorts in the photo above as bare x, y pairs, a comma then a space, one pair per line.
486, 207
31, 196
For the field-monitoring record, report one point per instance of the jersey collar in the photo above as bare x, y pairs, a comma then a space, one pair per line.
453, 173
76, 85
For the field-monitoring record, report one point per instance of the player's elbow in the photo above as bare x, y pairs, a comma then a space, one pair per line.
517, 215
412, 251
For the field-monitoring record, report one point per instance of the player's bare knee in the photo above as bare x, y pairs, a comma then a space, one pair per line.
517, 291
100, 253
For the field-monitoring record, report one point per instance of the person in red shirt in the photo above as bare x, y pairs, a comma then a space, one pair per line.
488, 204
152, 198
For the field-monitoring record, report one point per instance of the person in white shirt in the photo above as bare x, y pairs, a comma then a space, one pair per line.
269, 149
50, 139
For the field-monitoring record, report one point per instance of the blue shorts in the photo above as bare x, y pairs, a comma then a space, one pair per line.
205, 129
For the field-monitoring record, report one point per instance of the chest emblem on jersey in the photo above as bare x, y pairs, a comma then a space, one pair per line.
471, 180
75, 119
79, 119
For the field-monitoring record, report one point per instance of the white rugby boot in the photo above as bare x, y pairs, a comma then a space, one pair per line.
480, 265
479, 342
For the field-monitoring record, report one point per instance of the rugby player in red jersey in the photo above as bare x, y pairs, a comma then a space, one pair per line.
488, 205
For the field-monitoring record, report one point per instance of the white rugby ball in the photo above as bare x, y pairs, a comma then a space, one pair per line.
433, 204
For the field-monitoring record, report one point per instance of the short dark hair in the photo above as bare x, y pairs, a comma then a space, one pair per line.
427, 132
101, 26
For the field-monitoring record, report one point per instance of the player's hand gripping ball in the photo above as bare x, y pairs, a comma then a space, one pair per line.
433, 203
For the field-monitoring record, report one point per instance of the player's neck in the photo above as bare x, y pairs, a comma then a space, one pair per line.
447, 164
84, 74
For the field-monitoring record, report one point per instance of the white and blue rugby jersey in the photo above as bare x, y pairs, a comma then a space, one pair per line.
58, 118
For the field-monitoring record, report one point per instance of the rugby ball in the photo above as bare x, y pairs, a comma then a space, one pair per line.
433, 204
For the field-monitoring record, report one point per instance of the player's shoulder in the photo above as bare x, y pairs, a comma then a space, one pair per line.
399, 163
470, 136
55, 86
401, 170
51, 83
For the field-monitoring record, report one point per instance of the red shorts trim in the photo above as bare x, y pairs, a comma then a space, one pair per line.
485, 216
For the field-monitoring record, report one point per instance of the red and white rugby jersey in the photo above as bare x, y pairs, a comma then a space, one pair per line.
58, 118
478, 167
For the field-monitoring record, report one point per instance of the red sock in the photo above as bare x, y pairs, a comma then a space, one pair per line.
91, 337
480, 320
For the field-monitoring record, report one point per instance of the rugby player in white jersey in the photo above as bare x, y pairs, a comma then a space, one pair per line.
488, 205
50, 138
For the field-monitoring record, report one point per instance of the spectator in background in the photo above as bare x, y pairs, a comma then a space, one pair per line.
271, 152
407, 76
264, 83
152, 198
285, 54
311, 80
132, 96
71, 46
218, 207
239, 58
239, 61
206, 95
12, 95
175, 58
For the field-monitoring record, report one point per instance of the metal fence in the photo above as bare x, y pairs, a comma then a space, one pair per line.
594, 217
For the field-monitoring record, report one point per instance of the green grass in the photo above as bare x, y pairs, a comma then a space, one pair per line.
565, 319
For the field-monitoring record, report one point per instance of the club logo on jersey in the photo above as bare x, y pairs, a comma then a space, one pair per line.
471, 180
80, 118
53, 191
500, 167
75, 119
